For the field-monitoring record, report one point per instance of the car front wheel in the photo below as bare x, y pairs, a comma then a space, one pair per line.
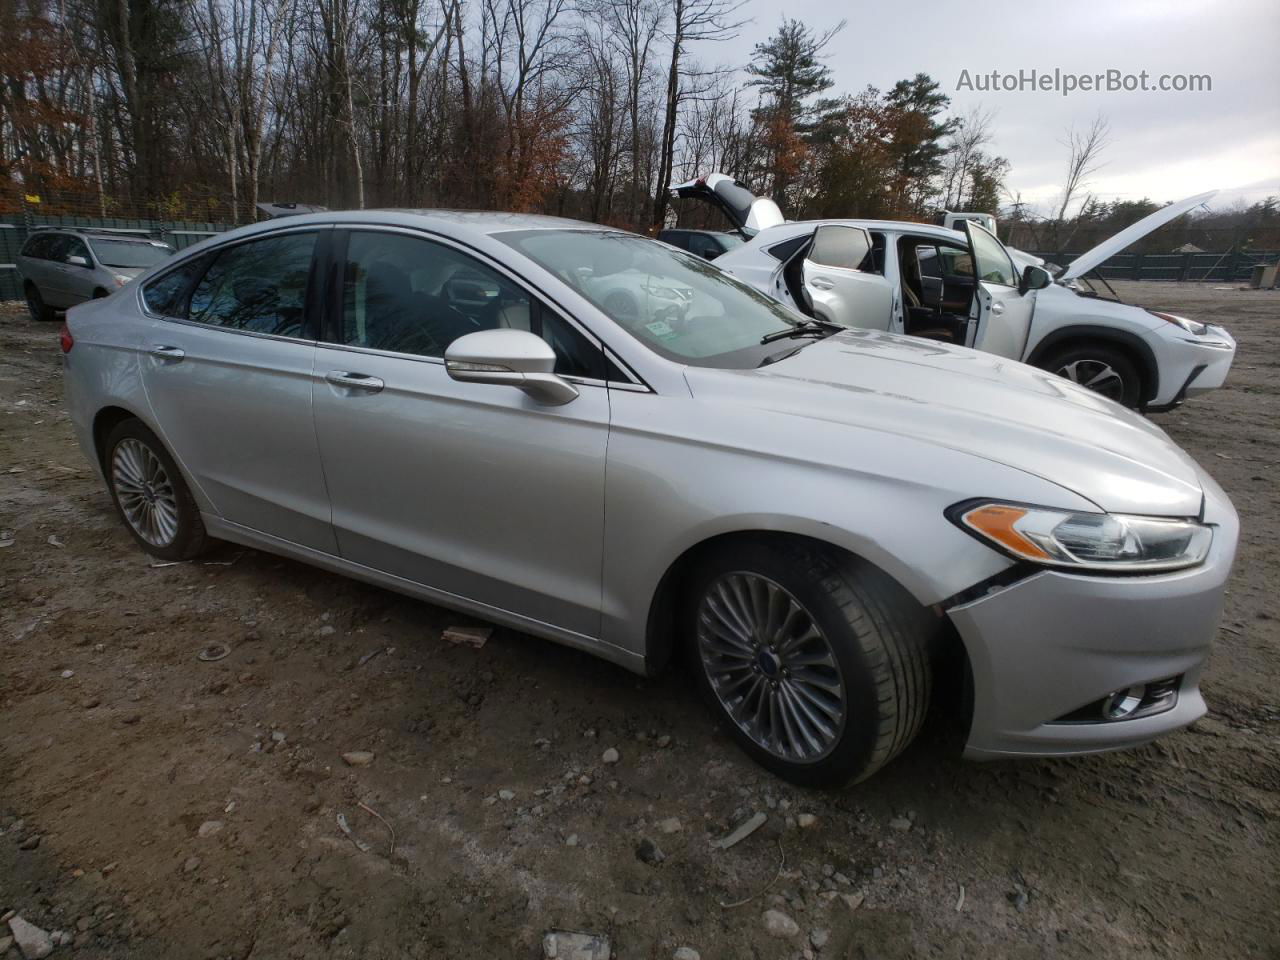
818, 663
150, 494
1100, 368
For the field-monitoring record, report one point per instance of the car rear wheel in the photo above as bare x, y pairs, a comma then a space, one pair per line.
40, 311
1101, 368
818, 663
150, 494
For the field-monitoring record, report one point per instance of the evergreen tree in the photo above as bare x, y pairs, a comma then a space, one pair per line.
789, 72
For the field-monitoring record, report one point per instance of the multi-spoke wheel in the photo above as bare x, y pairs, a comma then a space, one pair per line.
818, 663
771, 667
1100, 368
145, 492
150, 494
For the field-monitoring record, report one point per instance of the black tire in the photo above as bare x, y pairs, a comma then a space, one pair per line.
880, 637
188, 538
99, 293
1085, 362
40, 311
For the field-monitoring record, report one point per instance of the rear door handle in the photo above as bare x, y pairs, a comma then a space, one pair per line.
819, 283
997, 308
172, 354
354, 381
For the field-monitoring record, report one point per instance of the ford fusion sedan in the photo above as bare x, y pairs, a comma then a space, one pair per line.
920, 280
825, 525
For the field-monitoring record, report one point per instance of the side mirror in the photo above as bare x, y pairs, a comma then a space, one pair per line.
77, 261
1034, 278
514, 358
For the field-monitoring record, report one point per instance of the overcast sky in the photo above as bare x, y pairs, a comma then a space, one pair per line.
1164, 145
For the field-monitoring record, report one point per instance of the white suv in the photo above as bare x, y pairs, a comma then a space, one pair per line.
920, 280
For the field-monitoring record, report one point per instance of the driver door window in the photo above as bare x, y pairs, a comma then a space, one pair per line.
404, 294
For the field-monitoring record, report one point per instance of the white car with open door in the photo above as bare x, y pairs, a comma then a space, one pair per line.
965, 287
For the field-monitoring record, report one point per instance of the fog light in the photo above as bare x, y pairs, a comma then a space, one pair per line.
1123, 703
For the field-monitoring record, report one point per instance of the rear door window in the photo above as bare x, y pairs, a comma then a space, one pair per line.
839, 246
259, 286
38, 247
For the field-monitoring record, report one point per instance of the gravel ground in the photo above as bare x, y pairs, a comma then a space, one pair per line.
156, 805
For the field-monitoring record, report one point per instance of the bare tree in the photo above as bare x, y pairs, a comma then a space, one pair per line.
1085, 158
688, 22
972, 133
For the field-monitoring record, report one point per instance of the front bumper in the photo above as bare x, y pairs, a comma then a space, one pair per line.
1056, 642
1190, 365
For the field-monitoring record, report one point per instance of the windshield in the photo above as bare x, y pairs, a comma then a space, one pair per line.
128, 253
679, 306
731, 240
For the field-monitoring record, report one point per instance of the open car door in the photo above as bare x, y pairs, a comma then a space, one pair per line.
748, 213
1001, 307
835, 286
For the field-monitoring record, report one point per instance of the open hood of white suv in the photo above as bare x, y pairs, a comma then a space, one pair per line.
1099, 255
749, 213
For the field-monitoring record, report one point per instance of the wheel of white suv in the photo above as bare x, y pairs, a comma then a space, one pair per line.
819, 664
1101, 368
150, 494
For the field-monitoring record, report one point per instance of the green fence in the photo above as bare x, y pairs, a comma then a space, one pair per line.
15, 228
1234, 266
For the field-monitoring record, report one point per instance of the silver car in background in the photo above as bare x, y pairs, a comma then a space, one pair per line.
829, 524
63, 266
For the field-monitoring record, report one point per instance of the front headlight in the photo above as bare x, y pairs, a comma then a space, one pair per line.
1191, 326
1113, 542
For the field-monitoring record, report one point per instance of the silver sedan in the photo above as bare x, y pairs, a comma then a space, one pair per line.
830, 525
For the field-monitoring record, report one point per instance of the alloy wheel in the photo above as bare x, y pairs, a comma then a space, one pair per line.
1096, 375
771, 667
145, 492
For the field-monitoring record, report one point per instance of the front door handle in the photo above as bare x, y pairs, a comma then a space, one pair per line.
171, 354
354, 381
997, 308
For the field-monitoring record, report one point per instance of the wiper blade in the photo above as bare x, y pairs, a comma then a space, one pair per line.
809, 328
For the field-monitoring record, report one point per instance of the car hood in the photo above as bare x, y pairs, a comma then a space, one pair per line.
987, 406
749, 213
1092, 259
131, 273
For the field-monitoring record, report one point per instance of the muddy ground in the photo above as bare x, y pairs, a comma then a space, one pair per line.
117, 744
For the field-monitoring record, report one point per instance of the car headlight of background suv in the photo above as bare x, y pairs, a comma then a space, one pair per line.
1111, 542
1191, 326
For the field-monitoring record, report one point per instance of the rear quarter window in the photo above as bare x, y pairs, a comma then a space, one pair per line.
167, 293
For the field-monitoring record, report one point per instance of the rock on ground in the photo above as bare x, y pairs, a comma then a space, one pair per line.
34, 943
778, 924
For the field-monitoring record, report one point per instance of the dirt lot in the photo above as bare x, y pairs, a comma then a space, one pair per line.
119, 748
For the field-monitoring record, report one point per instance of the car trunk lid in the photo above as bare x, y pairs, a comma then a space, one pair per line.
747, 212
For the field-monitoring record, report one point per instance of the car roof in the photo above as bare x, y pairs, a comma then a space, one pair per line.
482, 222
139, 235
791, 227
